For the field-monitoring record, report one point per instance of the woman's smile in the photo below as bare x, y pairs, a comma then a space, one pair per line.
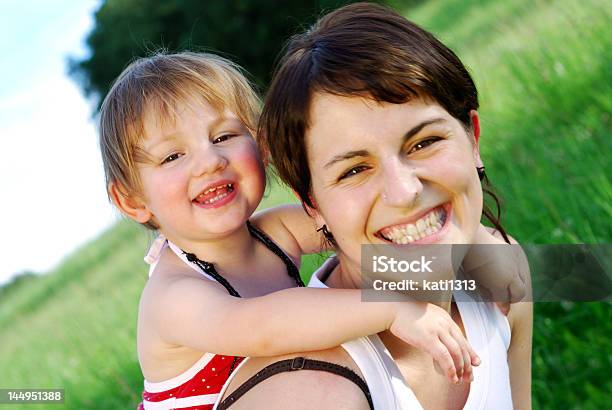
426, 228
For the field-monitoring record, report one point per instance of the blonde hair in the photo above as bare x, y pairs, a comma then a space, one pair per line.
158, 84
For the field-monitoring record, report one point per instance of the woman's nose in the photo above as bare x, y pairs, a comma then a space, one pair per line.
208, 160
401, 186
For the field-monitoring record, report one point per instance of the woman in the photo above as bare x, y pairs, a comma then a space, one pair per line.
373, 123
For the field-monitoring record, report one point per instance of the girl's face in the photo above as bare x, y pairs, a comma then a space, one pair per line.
391, 173
203, 176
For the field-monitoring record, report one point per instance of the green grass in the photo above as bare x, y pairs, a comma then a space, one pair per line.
544, 72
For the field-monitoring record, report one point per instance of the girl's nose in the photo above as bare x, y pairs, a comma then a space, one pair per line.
401, 186
208, 160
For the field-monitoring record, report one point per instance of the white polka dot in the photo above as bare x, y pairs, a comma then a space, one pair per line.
208, 387
203, 380
213, 369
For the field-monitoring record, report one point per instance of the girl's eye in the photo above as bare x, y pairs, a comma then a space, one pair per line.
424, 144
171, 157
223, 138
353, 171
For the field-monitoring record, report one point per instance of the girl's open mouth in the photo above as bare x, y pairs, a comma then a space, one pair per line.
216, 196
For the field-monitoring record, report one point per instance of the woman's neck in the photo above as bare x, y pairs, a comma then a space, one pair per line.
347, 275
344, 275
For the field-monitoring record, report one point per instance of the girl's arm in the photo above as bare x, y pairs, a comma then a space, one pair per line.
500, 269
187, 311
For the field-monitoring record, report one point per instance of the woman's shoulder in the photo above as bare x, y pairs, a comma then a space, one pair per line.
300, 389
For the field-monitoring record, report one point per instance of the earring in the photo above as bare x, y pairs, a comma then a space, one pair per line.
481, 173
326, 233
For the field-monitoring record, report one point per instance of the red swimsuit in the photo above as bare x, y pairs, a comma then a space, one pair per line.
195, 389
199, 386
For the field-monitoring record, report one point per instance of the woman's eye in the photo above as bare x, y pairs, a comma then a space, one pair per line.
353, 171
171, 157
424, 144
223, 138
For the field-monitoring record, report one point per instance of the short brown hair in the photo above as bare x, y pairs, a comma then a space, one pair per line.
159, 83
365, 50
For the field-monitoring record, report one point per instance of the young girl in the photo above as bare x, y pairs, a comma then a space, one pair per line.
179, 157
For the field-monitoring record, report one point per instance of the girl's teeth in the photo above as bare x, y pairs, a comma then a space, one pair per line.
220, 196
230, 188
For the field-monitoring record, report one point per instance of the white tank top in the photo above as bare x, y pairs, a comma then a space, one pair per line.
487, 330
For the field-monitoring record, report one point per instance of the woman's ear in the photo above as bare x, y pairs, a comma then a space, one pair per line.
313, 211
131, 206
475, 120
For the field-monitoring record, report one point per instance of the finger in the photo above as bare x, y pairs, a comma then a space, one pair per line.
465, 350
517, 290
456, 354
475, 359
500, 292
444, 360
504, 307
522, 265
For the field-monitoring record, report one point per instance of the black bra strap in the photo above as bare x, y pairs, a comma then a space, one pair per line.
292, 270
297, 363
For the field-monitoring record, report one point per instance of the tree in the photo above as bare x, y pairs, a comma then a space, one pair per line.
250, 32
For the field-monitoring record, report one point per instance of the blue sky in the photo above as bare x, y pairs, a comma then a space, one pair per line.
51, 178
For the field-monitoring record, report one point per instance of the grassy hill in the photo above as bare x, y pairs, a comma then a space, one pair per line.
544, 71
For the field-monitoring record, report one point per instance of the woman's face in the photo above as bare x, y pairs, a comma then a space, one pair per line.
391, 173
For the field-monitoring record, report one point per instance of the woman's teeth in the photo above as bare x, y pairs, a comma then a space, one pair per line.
212, 195
407, 233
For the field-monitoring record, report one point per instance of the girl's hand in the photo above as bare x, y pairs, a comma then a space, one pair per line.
499, 269
430, 328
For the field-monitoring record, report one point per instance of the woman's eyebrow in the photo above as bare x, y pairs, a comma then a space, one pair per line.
416, 129
364, 153
345, 156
